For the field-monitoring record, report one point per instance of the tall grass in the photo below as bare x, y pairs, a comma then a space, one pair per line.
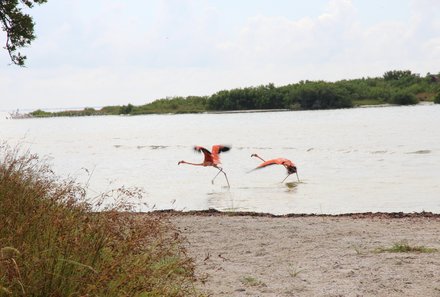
53, 244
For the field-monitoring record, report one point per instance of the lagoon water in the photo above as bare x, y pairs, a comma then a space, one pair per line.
349, 160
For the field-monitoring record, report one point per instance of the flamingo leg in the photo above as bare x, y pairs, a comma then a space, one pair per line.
285, 178
226, 178
221, 170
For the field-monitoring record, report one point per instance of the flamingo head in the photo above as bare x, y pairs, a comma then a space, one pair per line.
291, 168
254, 155
180, 162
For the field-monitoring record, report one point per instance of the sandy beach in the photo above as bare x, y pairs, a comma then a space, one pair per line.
313, 255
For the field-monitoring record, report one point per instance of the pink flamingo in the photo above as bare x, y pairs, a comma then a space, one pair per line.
211, 159
289, 165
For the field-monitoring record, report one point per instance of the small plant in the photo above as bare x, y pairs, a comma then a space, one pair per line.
357, 249
251, 281
406, 248
294, 272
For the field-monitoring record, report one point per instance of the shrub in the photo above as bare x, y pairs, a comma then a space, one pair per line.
403, 98
53, 244
40, 113
126, 109
437, 98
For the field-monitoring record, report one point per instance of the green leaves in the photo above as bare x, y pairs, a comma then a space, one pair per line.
18, 26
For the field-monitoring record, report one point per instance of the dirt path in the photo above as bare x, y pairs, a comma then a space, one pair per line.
312, 256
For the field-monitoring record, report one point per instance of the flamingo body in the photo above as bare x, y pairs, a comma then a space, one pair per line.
211, 158
289, 165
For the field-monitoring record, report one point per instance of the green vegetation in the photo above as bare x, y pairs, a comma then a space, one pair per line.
403, 247
294, 271
404, 98
251, 281
395, 87
53, 244
437, 98
18, 26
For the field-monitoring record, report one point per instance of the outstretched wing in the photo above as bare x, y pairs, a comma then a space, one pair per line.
201, 149
268, 163
216, 150
278, 161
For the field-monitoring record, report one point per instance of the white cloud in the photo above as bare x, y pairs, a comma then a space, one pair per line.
119, 51
331, 46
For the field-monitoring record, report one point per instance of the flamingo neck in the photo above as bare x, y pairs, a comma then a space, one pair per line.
189, 163
255, 155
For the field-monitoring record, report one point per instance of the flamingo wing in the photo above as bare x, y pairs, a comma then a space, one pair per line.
207, 153
288, 163
216, 150
278, 161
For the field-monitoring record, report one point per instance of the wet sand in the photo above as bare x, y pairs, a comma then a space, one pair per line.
312, 255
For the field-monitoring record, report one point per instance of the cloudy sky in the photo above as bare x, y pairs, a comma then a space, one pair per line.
113, 52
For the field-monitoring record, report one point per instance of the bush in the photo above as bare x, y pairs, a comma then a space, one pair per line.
323, 96
53, 244
126, 109
402, 98
40, 113
437, 98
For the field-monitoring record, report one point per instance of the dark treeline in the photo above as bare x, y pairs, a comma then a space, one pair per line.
394, 87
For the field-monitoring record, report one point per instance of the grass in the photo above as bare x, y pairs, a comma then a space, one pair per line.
52, 243
294, 271
403, 247
251, 281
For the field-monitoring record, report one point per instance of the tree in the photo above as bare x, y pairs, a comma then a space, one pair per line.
19, 27
437, 98
404, 98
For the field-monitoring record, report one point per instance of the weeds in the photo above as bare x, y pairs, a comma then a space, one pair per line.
294, 271
53, 244
252, 281
403, 247
358, 250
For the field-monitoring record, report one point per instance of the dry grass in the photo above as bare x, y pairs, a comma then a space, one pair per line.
53, 244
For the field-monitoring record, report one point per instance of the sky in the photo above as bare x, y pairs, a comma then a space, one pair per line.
115, 52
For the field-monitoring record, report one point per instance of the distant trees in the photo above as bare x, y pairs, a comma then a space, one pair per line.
19, 27
321, 95
404, 98
395, 87
126, 109
437, 98
261, 97
190, 104
400, 75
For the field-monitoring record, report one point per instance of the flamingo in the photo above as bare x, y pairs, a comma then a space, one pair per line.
211, 159
289, 165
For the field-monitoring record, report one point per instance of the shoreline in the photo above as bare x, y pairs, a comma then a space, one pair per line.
215, 212
17, 115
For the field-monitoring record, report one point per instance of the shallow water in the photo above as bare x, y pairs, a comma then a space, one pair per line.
349, 160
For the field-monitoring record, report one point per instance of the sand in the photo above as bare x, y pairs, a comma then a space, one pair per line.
312, 255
